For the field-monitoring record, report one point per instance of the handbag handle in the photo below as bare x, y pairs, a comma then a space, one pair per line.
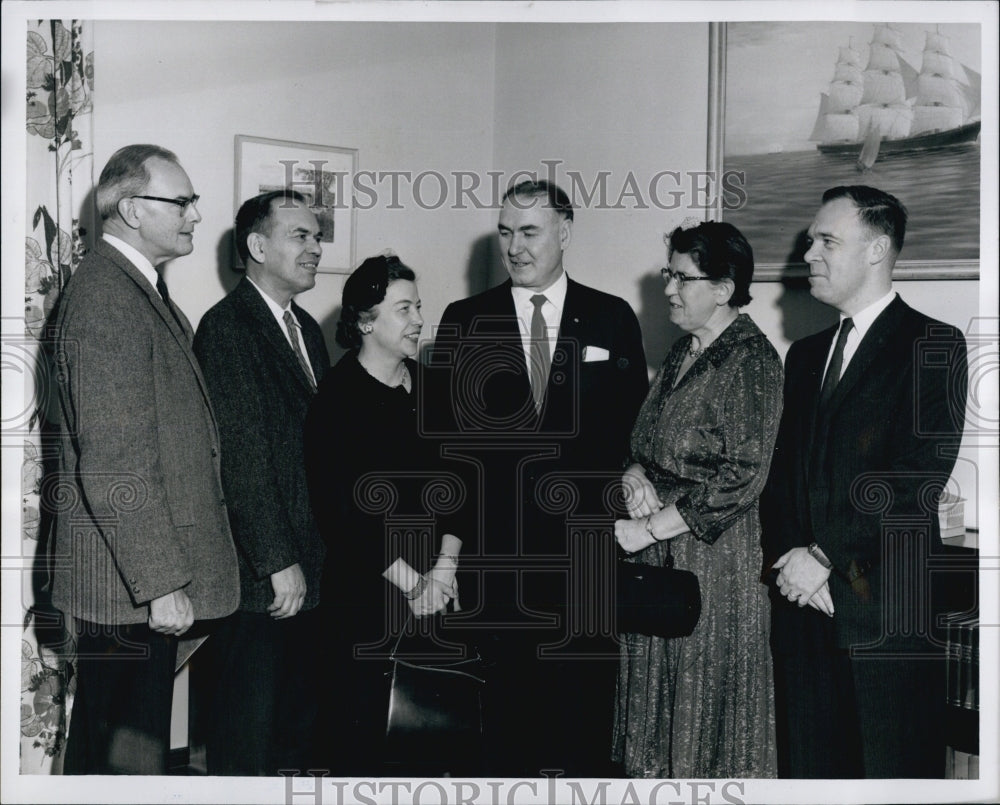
668, 560
450, 667
441, 669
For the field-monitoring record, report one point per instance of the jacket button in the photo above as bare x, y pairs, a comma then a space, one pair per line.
222, 501
214, 452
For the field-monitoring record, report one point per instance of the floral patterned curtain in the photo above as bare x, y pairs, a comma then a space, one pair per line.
60, 85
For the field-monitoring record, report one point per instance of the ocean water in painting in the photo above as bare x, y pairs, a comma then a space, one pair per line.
783, 191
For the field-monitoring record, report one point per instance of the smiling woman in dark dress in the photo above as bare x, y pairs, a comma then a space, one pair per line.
371, 478
703, 706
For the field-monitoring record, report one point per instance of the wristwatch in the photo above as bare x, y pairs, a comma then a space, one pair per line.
819, 556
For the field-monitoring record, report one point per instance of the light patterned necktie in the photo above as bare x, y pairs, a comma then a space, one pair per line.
293, 334
540, 357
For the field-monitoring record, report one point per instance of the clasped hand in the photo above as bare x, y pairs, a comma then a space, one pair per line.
641, 501
803, 580
440, 589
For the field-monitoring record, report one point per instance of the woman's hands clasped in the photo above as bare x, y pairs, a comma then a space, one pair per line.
641, 502
641, 499
440, 588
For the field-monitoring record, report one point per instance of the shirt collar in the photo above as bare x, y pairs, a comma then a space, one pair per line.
276, 310
864, 319
134, 256
555, 293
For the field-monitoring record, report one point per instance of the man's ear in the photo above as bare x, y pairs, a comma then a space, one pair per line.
255, 245
128, 213
565, 233
879, 249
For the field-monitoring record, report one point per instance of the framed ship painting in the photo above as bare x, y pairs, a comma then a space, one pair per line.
324, 174
812, 105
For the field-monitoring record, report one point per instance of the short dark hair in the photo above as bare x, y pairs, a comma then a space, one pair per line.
555, 195
721, 252
881, 212
126, 175
363, 290
254, 216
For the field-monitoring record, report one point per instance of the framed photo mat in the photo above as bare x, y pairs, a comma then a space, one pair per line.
324, 174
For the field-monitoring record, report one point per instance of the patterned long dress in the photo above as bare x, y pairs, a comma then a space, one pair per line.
703, 706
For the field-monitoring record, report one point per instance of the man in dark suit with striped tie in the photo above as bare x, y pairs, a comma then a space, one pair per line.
541, 378
871, 427
262, 356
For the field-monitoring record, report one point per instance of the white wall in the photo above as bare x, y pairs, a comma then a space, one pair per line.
410, 97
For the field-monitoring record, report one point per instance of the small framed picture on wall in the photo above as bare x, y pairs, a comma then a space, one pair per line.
324, 174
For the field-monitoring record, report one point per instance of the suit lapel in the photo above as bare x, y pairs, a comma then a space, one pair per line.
572, 329
501, 320
868, 350
270, 331
871, 346
183, 334
813, 436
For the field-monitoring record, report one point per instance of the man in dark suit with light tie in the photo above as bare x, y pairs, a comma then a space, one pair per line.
263, 356
142, 546
871, 426
542, 378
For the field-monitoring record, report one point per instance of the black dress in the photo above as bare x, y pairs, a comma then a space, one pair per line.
379, 492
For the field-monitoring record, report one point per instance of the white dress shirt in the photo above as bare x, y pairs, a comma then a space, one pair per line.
555, 298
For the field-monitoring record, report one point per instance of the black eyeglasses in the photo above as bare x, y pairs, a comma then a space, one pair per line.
682, 279
183, 203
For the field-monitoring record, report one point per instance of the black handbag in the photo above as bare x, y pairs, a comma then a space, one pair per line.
435, 705
660, 601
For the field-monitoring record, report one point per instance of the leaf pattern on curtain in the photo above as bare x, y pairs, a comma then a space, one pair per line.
59, 172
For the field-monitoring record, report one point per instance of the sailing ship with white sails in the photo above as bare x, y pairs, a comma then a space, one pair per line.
888, 106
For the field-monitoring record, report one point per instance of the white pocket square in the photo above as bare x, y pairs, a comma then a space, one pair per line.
592, 354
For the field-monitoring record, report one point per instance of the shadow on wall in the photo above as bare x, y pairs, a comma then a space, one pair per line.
225, 259
801, 314
329, 328
658, 334
484, 269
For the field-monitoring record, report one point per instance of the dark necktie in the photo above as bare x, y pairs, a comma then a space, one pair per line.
836, 364
540, 357
293, 334
161, 289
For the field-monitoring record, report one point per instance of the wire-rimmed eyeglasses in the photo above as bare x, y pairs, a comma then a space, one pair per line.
682, 279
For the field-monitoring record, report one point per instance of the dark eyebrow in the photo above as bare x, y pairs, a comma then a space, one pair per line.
525, 228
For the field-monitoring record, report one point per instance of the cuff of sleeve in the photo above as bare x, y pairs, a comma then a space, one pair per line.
705, 531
